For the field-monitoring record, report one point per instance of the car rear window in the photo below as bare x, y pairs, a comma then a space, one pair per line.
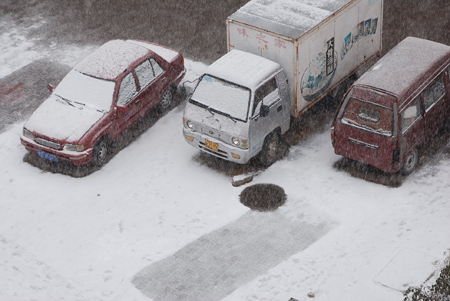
367, 116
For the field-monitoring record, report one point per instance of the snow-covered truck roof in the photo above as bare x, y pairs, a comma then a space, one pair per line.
111, 59
243, 68
290, 18
402, 69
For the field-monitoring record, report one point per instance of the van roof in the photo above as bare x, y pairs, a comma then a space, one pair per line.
402, 70
287, 17
243, 68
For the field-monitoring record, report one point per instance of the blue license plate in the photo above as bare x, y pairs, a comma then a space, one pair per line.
47, 156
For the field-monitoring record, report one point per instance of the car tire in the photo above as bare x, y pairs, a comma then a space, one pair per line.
269, 151
100, 153
166, 100
411, 162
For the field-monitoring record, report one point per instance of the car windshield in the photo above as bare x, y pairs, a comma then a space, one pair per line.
368, 116
222, 97
86, 90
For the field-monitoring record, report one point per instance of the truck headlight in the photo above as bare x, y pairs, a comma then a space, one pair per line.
235, 141
28, 134
190, 125
74, 147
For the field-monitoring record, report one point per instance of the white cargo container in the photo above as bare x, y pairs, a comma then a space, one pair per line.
242, 104
319, 43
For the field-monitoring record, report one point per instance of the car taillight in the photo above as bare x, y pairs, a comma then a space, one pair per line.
332, 134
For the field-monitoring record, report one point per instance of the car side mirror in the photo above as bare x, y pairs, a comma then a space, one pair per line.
264, 110
51, 87
121, 109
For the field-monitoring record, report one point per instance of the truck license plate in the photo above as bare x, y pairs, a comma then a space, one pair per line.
212, 145
47, 156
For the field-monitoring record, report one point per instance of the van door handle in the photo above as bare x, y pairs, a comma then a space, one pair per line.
137, 101
279, 108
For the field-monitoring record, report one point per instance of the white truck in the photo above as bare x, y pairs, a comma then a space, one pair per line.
284, 56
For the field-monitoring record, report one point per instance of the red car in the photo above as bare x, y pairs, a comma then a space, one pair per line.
100, 98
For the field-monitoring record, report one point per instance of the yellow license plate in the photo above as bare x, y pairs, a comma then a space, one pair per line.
212, 145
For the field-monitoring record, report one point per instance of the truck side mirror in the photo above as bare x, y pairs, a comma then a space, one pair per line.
264, 110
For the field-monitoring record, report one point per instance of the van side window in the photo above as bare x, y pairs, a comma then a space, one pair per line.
434, 93
262, 92
411, 114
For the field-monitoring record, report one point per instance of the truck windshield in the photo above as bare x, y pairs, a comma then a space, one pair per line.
222, 97
367, 116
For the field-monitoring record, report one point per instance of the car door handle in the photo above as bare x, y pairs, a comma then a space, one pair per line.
163, 79
137, 101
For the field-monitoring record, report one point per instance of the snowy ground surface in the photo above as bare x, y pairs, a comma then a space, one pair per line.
102, 236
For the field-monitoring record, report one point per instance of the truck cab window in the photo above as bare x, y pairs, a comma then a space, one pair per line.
262, 92
434, 93
410, 114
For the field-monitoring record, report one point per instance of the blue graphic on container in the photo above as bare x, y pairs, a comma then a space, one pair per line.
363, 29
318, 77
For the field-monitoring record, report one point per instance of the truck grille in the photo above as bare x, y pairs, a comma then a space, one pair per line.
48, 143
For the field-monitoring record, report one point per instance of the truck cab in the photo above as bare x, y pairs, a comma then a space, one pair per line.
239, 109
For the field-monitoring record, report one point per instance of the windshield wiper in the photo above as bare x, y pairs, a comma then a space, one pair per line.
230, 117
66, 100
210, 110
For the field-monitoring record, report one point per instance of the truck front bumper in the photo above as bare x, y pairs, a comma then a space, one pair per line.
225, 151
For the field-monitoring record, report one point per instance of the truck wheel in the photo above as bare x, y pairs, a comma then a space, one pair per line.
100, 152
166, 99
411, 162
269, 152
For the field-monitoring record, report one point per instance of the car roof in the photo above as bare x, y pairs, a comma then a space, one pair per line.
403, 69
243, 68
111, 59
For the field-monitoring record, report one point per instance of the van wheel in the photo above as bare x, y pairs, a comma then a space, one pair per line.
411, 162
269, 152
166, 99
100, 152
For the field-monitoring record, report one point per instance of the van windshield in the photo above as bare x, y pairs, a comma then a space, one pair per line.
367, 116
219, 96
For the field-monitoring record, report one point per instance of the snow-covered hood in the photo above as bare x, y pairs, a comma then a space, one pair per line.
61, 121
215, 121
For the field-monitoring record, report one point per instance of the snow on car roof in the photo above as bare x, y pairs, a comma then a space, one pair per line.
243, 68
405, 65
164, 52
290, 18
111, 59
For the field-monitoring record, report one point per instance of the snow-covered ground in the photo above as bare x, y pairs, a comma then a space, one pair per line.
64, 238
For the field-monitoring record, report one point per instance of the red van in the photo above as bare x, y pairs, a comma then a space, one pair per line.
393, 110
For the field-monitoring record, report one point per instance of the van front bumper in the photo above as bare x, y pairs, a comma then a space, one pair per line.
224, 150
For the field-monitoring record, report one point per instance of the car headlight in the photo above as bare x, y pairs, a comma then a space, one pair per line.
74, 147
28, 134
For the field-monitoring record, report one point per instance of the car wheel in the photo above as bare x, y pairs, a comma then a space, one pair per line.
269, 152
100, 153
411, 162
166, 99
